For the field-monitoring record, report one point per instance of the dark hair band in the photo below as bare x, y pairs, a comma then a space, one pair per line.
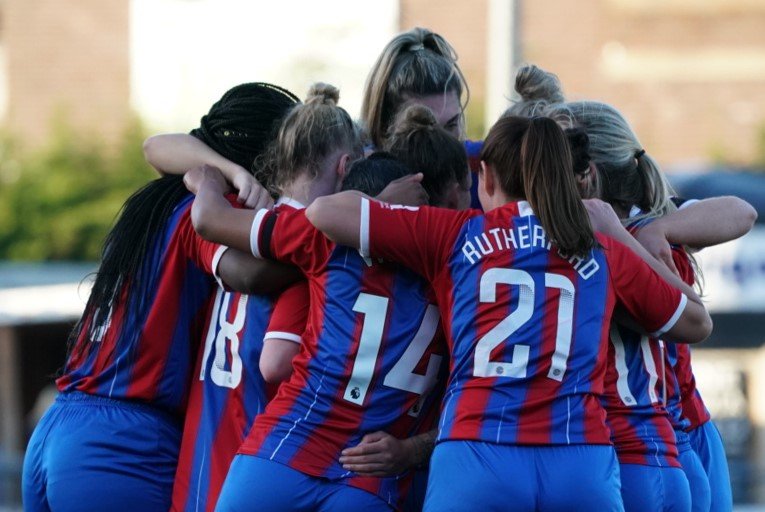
640, 153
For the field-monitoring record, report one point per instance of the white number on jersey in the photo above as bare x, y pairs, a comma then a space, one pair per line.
622, 370
483, 366
402, 375
222, 334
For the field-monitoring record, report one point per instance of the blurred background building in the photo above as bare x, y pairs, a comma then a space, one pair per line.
82, 81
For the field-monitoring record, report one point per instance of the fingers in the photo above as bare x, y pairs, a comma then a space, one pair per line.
367, 469
416, 178
370, 458
359, 450
374, 436
670, 262
245, 193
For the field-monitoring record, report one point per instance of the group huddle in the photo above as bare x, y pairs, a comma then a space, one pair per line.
418, 322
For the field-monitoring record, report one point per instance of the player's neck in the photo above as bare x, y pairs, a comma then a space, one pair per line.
305, 189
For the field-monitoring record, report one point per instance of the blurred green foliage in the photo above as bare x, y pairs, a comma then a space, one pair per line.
58, 202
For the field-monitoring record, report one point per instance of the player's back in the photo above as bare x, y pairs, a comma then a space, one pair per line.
634, 398
227, 392
527, 329
371, 356
148, 357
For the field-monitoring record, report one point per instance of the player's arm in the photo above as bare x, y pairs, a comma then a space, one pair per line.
214, 218
690, 322
177, 153
419, 237
276, 359
381, 454
700, 224
245, 273
284, 333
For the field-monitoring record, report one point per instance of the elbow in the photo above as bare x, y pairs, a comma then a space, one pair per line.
703, 329
150, 151
706, 327
275, 372
747, 215
750, 216
199, 219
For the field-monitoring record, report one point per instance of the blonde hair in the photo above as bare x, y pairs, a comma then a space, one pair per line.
308, 134
418, 62
537, 89
627, 175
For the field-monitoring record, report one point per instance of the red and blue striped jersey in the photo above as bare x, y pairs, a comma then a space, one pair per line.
683, 402
228, 389
150, 359
473, 150
370, 360
527, 328
641, 430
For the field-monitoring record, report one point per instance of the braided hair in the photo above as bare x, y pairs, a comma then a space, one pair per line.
241, 123
238, 127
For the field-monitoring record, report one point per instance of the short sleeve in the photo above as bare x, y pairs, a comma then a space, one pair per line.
290, 314
419, 238
654, 303
287, 236
202, 253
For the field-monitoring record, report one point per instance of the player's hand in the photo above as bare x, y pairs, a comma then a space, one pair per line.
654, 240
250, 192
205, 174
603, 218
378, 454
407, 191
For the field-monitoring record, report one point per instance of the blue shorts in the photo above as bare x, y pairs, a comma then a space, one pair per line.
701, 497
707, 443
473, 475
94, 453
659, 489
262, 485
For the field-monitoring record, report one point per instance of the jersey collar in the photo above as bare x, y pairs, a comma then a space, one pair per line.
290, 202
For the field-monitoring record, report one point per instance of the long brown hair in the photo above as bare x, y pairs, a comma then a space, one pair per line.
532, 160
417, 140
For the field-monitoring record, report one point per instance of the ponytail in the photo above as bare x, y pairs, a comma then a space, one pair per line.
532, 160
548, 180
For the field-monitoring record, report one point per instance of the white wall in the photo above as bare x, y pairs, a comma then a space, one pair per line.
186, 53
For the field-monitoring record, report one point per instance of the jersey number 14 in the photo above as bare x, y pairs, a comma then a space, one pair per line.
402, 376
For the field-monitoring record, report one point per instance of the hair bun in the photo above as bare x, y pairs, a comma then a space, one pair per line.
323, 94
414, 118
534, 83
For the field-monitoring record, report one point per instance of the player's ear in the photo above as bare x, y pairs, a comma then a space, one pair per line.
342, 169
342, 166
487, 179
